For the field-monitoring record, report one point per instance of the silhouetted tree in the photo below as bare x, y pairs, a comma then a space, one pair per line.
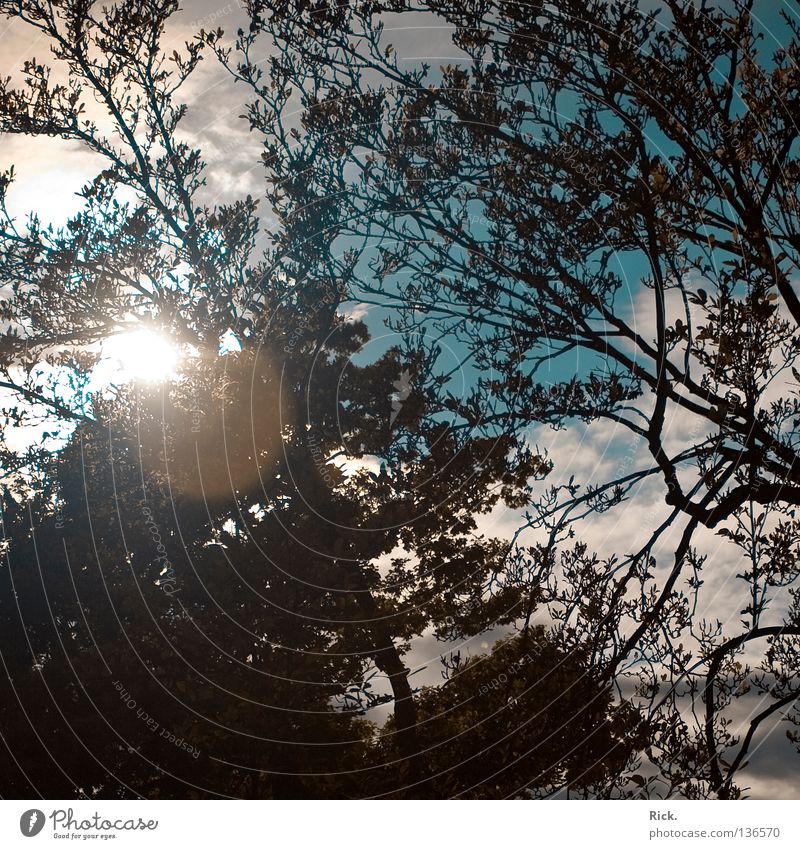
195, 593
598, 205
525, 719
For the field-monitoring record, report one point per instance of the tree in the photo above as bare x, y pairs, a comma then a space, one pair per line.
595, 182
187, 561
523, 721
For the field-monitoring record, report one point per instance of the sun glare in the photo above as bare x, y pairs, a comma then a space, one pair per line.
142, 355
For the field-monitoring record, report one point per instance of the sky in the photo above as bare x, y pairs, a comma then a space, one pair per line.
50, 172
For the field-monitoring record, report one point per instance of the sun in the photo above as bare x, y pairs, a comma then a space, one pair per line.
141, 355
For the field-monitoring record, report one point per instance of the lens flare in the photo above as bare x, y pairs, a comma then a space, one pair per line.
142, 355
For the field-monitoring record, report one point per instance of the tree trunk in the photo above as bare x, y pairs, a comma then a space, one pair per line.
388, 660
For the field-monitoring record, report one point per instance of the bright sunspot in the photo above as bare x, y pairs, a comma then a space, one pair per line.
141, 355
